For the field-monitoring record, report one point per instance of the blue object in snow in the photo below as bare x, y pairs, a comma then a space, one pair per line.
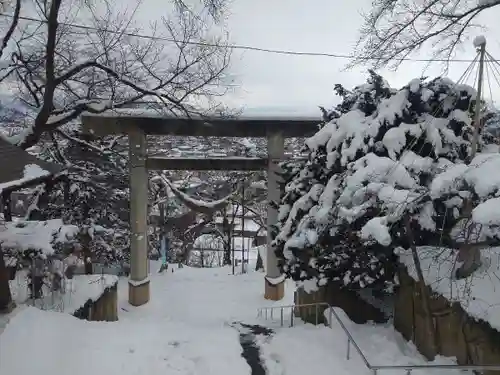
164, 250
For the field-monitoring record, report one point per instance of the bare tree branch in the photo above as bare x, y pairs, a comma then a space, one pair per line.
13, 25
62, 72
395, 29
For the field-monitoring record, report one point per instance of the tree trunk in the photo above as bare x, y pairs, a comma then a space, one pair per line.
424, 293
260, 263
469, 255
6, 303
226, 231
42, 199
87, 253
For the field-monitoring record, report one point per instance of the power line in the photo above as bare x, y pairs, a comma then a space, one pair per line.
233, 47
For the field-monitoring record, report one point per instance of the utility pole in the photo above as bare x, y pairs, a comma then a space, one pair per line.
233, 217
232, 250
480, 43
243, 227
471, 257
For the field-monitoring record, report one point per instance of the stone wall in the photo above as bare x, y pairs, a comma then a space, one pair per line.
356, 308
457, 334
105, 308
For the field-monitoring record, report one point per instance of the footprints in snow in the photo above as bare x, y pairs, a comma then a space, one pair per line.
252, 351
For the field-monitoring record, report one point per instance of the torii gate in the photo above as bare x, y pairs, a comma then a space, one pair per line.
139, 127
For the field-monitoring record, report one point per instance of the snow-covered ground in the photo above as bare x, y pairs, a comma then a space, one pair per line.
186, 329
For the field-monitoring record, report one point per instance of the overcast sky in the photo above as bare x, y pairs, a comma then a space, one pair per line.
271, 83
301, 83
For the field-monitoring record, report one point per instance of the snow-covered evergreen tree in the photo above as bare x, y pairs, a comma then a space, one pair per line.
385, 157
97, 196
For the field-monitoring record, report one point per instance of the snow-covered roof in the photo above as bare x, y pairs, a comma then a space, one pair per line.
20, 167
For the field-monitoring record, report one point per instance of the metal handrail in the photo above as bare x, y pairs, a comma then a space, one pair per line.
350, 340
264, 311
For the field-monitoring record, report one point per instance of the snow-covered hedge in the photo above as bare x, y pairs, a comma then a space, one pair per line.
40, 236
387, 155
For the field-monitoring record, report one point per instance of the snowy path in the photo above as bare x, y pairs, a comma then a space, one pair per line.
188, 328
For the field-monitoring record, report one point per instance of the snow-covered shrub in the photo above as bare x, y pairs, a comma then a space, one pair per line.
386, 156
34, 238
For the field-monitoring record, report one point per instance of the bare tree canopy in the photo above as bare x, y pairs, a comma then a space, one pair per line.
61, 70
394, 29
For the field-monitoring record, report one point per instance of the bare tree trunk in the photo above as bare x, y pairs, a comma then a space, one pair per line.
424, 293
226, 231
260, 263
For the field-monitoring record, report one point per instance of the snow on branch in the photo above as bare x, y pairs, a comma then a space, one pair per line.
395, 29
207, 208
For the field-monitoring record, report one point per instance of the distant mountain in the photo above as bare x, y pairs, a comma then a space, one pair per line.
282, 111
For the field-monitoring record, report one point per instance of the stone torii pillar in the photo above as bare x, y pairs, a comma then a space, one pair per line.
138, 291
274, 280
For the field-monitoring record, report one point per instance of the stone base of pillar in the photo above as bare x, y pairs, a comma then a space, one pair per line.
138, 295
274, 292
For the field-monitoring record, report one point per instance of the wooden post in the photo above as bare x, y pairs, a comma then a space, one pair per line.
7, 205
139, 281
6, 303
274, 287
243, 227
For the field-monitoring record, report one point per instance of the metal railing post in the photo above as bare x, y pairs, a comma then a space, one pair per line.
316, 313
282, 316
348, 354
291, 318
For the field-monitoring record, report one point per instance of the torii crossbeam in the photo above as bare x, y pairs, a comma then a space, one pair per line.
139, 127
